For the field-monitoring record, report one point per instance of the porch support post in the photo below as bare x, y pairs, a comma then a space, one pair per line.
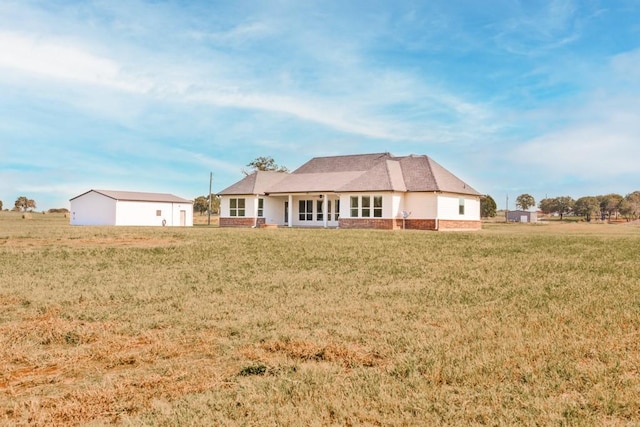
290, 210
325, 213
255, 211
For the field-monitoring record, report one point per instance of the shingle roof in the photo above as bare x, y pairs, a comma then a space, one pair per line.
256, 183
356, 173
138, 196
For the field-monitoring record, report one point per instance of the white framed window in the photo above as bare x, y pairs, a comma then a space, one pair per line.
336, 213
260, 208
305, 210
461, 206
364, 207
158, 212
236, 207
319, 213
377, 206
355, 206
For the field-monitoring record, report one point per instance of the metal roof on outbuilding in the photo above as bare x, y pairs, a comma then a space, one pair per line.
135, 196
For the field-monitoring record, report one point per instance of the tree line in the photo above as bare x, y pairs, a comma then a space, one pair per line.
607, 206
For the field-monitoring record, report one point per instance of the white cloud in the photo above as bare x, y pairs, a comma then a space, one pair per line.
60, 60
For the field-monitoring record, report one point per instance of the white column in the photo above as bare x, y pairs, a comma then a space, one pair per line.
255, 211
290, 210
325, 212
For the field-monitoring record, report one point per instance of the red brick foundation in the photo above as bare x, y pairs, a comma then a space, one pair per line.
239, 222
409, 224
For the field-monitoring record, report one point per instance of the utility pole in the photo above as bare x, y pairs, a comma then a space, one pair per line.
506, 211
209, 210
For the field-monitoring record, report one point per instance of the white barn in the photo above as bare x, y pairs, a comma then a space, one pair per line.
107, 207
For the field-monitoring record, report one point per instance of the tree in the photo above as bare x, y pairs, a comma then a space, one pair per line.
487, 206
564, 205
547, 205
560, 205
0, 205
587, 207
201, 204
632, 198
23, 203
525, 201
609, 204
264, 163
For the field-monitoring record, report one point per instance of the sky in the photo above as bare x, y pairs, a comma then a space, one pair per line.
539, 96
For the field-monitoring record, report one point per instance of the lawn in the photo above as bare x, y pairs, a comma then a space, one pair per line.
516, 324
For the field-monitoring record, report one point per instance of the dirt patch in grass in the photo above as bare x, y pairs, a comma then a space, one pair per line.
347, 357
112, 241
65, 371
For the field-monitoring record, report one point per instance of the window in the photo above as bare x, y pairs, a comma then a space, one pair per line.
337, 211
368, 210
305, 210
319, 213
354, 206
377, 206
158, 212
236, 207
461, 206
260, 208
366, 206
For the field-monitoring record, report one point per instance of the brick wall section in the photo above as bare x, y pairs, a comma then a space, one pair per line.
444, 225
409, 224
238, 222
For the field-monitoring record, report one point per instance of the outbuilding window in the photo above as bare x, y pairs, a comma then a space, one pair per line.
158, 212
461, 206
236, 207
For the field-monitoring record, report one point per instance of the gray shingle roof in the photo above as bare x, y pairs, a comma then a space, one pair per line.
138, 196
256, 183
356, 173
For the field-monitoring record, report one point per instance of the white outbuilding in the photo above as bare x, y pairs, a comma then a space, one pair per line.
107, 207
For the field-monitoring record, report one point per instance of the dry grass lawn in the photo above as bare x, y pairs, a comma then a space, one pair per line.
513, 325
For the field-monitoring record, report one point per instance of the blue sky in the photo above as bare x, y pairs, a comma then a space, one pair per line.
538, 97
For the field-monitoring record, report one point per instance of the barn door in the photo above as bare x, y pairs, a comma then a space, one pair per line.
183, 218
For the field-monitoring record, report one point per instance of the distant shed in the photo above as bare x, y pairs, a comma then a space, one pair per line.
522, 216
107, 207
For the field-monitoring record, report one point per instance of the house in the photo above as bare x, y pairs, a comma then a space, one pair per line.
355, 191
107, 207
522, 216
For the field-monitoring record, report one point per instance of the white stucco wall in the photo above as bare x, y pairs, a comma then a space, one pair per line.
421, 205
93, 209
448, 207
